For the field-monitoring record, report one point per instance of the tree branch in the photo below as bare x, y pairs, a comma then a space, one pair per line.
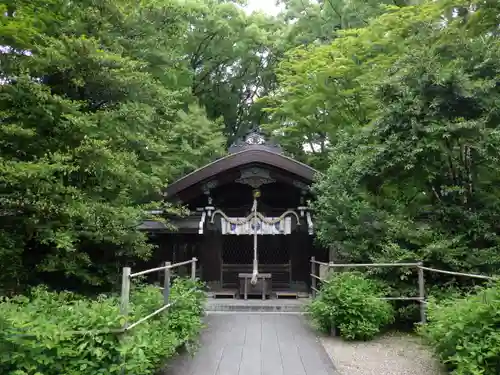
195, 59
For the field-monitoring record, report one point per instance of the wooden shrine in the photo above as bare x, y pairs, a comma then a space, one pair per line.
248, 216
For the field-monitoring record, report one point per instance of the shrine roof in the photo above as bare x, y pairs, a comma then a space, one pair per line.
241, 155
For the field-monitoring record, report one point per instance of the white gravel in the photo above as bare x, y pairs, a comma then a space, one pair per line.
391, 354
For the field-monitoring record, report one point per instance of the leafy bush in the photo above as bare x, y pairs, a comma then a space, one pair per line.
35, 332
184, 315
465, 332
350, 302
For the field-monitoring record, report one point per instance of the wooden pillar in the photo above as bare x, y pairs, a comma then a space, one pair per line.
217, 255
293, 245
309, 251
299, 256
210, 256
203, 256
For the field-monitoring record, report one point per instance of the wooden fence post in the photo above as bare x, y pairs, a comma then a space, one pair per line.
166, 283
331, 268
124, 306
421, 292
125, 293
193, 269
313, 279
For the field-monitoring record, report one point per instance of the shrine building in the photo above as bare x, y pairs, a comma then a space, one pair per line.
248, 215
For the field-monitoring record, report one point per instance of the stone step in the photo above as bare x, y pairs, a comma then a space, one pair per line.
267, 306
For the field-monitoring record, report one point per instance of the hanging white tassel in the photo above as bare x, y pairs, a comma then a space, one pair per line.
255, 273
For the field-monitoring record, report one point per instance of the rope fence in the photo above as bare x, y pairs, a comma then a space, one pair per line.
127, 276
315, 278
125, 299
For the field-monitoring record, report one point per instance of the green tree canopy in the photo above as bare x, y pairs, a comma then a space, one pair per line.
94, 123
413, 161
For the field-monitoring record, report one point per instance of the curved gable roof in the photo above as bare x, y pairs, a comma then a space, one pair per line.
255, 154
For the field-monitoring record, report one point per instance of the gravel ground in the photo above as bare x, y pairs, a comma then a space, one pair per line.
391, 354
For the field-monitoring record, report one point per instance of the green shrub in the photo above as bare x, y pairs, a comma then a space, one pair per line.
48, 349
184, 315
350, 302
465, 332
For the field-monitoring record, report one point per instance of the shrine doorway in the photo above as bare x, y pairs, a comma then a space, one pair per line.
239, 249
274, 257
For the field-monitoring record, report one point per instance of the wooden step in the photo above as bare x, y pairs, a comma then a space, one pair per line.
303, 295
223, 294
287, 295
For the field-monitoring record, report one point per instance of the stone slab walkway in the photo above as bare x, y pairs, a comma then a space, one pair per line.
256, 344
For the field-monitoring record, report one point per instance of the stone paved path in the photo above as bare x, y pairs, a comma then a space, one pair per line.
256, 344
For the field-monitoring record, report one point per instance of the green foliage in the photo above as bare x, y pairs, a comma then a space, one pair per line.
350, 302
36, 332
325, 85
464, 332
231, 56
184, 317
97, 118
403, 114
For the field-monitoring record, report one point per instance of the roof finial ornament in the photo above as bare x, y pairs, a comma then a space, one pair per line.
254, 138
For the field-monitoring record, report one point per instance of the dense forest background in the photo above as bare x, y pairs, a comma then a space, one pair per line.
104, 102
